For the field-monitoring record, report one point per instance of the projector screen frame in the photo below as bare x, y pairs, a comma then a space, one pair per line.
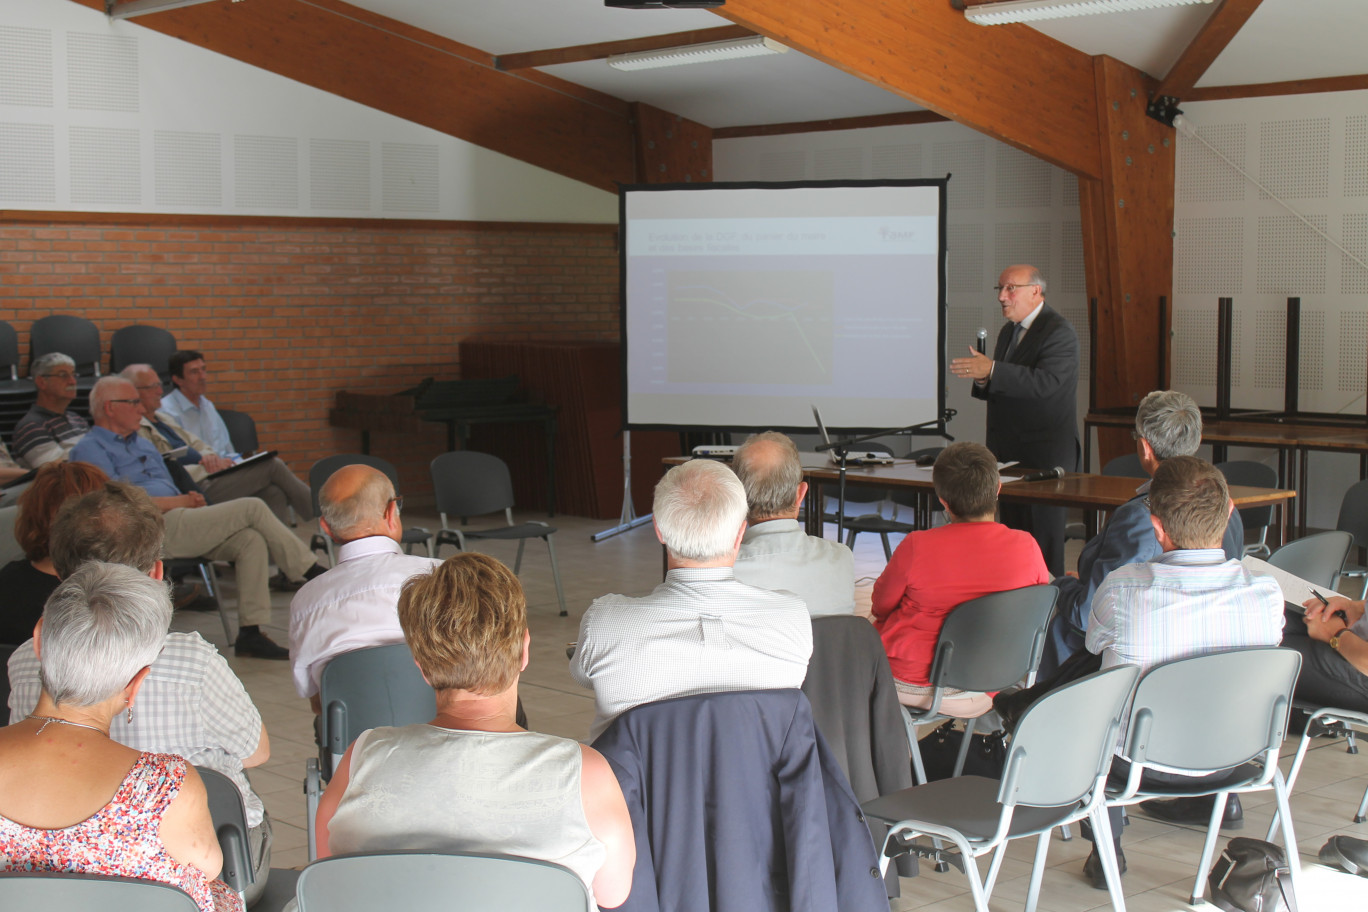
936, 426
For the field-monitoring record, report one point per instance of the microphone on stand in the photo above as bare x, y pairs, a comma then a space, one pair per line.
982, 341
1056, 472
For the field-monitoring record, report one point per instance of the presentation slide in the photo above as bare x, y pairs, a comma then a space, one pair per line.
745, 305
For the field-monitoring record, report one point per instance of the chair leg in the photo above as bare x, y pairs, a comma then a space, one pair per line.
918, 768
517, 561
1362, 809
888, 550
1296, 769
1037, 871
555, 574
1209, 846
210, 577
971, 871
1105, 844
994, 868
1281, 793
312, 788
963, 754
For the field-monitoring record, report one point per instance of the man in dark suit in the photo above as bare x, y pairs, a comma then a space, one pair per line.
1030, 385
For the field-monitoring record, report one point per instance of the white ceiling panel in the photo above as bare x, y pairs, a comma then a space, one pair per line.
1287, 40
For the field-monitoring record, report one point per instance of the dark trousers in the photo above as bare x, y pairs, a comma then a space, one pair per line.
1327, 678
1045, 525
1120, 773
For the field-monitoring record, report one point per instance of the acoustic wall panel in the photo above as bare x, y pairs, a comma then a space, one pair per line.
1023, 242
188, 168
1023, 181
966, 269
783, 166
339, 174
962, 324
1069, 189
1294, 158
102, 73
265, 172
1072, 275
966, 163
896, 162
1354, 231
27, 166
106, 166
408, 177
1270, 349
1194, 341
1311, 367
1356, 155
25, 66
839, 164
1202, 176
1208, 256
1291, 259
1078, 317
1352, 373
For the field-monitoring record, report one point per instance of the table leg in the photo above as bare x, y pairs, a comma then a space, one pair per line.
551, 466
1303, 461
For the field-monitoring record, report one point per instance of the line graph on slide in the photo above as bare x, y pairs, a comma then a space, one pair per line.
728, 326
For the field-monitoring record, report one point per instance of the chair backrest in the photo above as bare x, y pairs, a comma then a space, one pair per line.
422, 881
1353, 514
994, 641
1255, 475
1063, 744
140, 344
322, 470
471, 484
9, 352
9, 545
241, 431
230, 825
369, 688
1212, 712
855, 705
1127, 466
75, 337
90, 893
1318, 558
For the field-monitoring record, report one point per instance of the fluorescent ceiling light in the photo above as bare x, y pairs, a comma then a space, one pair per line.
756, 46
1034, 10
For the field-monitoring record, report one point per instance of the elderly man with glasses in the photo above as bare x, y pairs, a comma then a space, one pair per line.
1031, 386
48, 431
242, 531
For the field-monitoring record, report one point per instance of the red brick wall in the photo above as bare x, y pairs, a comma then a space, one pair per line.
287, 314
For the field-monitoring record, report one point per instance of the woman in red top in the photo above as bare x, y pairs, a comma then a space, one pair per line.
934, 570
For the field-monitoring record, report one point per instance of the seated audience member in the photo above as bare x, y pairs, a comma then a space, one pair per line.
701, 630
48, 431
101, 630
517, 792
934, 570
1189, 601
1334, 653
270, 479
10, 471
1167, 424
191, 703
775, 552
26, 584
242, 531
190, 409
353, 606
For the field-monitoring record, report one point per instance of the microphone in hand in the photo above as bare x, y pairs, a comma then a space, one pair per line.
1056, 472
982, 341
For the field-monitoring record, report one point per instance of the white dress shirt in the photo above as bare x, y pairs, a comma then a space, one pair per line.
777, 554
202, 420
352, 606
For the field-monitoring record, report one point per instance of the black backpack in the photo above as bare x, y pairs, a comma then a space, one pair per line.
1252, 876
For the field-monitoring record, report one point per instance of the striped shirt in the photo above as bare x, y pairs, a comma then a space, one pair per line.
44, 436
700, 631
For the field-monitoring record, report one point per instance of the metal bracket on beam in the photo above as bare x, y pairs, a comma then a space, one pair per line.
127, 9
1163, 108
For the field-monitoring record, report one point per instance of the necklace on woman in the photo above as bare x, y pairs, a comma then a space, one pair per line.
48, 720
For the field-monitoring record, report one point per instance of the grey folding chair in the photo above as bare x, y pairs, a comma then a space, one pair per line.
986, 644
16, 395
431, 882
474, 484
241, 431
322, 470
1207, 714
360, 690
1353, 518
1254, 475
1351, 719
9, 546
90, 893
1127, 466
1318, 558
230, 825
1056, 768
176, 567
141, 344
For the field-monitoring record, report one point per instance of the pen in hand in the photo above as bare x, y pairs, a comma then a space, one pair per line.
1344, 617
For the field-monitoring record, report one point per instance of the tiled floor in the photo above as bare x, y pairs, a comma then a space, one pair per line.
1162, 858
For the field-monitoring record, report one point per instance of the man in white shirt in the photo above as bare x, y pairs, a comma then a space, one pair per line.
191, 409
701, 630
775, 552
354, 605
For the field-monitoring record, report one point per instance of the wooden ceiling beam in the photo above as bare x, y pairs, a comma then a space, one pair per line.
1010, 82
580, 52
821, 126
421, 77
1294, 87
1217, 32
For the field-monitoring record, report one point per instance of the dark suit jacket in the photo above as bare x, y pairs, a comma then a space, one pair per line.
1031, 397
738, 806
1127, 538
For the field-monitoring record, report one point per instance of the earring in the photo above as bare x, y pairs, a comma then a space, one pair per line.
130, 712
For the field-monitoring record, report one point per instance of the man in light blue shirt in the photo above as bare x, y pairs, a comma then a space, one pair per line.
190, 408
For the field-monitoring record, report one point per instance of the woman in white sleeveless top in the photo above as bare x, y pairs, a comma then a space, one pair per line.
472, 780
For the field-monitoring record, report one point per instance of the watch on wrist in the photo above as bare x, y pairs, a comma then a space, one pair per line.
1334, 641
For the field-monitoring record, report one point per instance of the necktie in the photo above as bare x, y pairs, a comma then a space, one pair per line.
1016, 339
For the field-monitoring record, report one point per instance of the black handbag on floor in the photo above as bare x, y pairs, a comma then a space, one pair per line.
987, 753
1252, 876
